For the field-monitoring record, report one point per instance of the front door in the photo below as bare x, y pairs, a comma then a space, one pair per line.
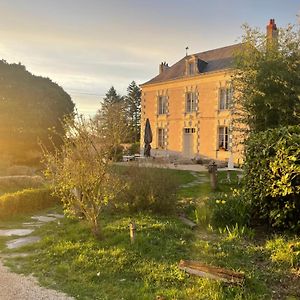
188, 142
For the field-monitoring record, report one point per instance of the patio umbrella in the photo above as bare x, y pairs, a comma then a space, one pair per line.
147, 138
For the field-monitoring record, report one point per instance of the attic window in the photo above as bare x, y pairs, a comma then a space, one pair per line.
191, 68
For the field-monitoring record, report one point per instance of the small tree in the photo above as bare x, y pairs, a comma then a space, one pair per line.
80, 172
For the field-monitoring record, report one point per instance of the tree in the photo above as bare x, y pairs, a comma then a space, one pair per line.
80, 172
112, 119
29, 106
133, 105
266, 80
111, 97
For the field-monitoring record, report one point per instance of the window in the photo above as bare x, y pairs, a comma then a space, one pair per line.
161, 138
191, 68
162, 105
223, 138
225, 97
189, 130
190, 102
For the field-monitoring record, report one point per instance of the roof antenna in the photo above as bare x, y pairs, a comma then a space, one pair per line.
186, 51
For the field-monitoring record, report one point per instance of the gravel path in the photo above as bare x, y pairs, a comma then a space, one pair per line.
18, 287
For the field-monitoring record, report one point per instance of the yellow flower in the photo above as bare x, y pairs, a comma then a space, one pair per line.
223, 201
218, 201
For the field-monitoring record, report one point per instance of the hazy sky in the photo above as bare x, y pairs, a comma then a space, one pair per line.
88, 46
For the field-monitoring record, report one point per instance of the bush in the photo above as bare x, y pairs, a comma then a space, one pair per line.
134, 148
20, 170
149, 189
26, 201
229, 210
15, 183
272, 176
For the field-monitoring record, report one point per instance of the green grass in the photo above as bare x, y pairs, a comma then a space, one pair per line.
69, 259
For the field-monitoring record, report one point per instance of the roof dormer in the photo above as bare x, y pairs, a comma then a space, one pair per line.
194, 65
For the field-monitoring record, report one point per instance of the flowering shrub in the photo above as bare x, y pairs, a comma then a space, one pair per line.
229, 210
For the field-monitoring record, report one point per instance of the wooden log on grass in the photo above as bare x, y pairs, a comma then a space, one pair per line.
206, 271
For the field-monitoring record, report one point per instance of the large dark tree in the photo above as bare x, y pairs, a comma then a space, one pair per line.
133, 106
29, 106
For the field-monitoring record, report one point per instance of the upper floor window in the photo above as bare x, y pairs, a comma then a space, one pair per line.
190, 102
161, 138
162, 105
223, 138
225, 98
191, 68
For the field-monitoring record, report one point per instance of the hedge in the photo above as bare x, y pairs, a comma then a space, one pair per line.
272, 176
26, 201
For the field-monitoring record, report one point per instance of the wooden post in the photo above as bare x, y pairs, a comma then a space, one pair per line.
132, 228
212, 170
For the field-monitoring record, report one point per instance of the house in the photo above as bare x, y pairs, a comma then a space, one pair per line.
188, 106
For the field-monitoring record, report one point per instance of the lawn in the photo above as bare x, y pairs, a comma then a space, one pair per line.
69, 259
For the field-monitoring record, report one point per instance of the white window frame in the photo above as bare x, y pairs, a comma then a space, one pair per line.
161, 105
225, 98
191, 68
161, 138
223, 138
190, 102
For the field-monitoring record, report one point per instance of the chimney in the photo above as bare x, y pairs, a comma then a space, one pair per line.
272, 32
163, 67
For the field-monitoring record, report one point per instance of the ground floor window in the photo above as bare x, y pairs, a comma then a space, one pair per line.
161, 138
223, 138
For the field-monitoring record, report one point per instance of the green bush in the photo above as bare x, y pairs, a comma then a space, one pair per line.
149, 189
229, 209
26, 201
272, 176
16, 183
134, 148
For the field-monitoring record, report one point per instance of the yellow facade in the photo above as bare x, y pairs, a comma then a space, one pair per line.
186, 133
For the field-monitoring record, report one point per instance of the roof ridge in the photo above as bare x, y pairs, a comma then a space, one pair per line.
233, 45
217, 59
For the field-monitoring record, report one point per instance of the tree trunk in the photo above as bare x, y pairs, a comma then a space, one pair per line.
96, 229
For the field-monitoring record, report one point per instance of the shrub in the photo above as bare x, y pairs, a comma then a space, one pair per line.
151, 189
272, 176
134, 148
26, 201
229, 210
20, 170
14, 183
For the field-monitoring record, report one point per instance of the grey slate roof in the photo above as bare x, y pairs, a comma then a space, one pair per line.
208, 61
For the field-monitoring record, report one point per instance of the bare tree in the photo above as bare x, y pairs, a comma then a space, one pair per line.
80, 172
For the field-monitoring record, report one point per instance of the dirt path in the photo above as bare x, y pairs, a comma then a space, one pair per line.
18, 287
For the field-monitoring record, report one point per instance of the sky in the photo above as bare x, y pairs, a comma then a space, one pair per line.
87, 46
